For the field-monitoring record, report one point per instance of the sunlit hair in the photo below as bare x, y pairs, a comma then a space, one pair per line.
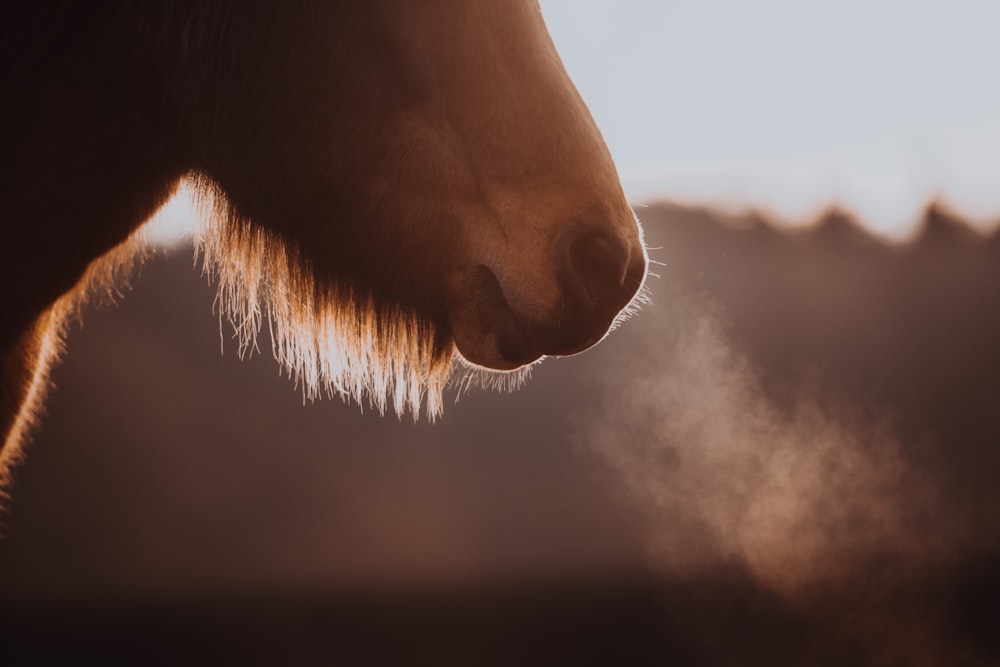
331, 339
102, 283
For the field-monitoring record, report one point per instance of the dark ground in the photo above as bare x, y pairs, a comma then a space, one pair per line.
180, 506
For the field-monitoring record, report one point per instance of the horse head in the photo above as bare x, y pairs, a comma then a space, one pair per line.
437, 157
390, 180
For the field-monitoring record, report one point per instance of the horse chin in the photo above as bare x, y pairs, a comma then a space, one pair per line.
555, 294
487, 333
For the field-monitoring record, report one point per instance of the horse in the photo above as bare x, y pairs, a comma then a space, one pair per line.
397, 188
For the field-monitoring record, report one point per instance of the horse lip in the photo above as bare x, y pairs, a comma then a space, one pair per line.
487, 331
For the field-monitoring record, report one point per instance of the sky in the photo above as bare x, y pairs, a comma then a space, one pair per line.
788, 106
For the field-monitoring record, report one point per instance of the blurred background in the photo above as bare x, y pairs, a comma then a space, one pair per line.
789, 457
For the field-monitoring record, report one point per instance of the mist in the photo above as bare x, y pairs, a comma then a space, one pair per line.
798, 495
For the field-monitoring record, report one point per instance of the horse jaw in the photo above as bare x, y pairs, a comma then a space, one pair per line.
331, 340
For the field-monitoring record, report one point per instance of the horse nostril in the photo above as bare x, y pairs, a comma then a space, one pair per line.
593, 268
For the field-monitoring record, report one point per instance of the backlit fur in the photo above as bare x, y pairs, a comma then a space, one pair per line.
331, 339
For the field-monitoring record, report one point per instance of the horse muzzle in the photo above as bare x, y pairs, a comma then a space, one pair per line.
597, 274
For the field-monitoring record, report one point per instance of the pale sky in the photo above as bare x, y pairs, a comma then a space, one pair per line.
789, 105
